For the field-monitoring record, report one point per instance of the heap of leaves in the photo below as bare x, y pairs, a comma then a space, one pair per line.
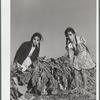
51, 75
54, 76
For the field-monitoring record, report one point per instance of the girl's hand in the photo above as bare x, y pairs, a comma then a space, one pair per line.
15, 65
19, 67
38, 45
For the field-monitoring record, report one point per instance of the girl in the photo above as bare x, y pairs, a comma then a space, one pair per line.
78, 54
24, 58
28, 52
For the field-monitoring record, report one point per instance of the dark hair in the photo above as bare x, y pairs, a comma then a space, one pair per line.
38, 35
69, 29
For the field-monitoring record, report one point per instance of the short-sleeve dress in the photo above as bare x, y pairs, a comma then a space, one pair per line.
82, 58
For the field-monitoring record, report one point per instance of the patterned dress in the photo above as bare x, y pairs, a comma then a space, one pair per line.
82, 58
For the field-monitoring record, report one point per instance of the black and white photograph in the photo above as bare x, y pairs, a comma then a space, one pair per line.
53, 50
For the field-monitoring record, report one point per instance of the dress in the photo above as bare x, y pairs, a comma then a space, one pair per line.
25, 56
23, 52
27, 62
82, 58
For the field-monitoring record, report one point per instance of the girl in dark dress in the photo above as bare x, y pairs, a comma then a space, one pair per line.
27, 53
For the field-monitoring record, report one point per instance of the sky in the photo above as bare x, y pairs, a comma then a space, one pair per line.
51, 18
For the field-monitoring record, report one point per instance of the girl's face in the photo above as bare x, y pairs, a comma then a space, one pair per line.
71, 36
36, 40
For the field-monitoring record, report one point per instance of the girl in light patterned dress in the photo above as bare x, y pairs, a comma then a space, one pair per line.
78, 54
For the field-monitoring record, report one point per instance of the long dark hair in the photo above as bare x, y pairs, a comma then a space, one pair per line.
69, 29
38, 35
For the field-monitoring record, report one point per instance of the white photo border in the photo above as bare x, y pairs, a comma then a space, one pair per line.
5, 49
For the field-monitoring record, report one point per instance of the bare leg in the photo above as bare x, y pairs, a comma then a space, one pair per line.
84, 77
77, 78
76, 81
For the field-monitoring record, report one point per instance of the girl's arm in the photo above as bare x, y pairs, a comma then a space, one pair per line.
19, 51
71, 55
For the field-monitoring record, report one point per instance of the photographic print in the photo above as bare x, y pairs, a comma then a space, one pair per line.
53, 50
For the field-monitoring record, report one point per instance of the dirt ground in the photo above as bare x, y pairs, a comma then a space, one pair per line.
61, 95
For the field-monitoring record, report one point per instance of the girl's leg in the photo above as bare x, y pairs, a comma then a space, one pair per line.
84, 75
84, 78
76, 81
77, 78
